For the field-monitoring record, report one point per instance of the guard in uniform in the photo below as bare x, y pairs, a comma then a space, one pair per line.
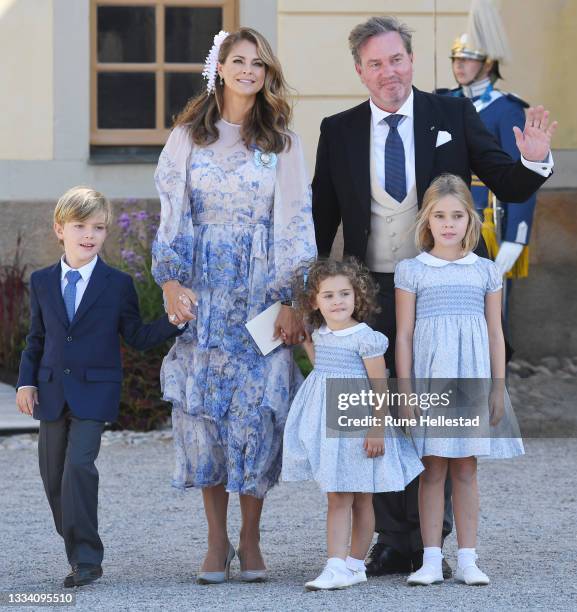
476, 71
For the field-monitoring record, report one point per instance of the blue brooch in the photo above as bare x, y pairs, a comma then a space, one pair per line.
266, 160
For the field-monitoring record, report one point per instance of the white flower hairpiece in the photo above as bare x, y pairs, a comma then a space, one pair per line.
209, 72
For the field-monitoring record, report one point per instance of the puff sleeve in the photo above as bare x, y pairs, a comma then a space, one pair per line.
494, 278
172, 247
372, 344
294, 242
405, 276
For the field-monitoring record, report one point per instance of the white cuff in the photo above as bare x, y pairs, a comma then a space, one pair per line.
27, 387
543, 168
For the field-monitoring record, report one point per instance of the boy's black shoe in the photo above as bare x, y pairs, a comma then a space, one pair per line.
383, 560
82, 575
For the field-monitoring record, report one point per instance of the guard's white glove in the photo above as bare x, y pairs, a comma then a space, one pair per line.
507, 256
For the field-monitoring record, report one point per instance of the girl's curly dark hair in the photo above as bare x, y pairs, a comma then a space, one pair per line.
307, 284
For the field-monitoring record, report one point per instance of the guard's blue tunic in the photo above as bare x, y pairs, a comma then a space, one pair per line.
499, 115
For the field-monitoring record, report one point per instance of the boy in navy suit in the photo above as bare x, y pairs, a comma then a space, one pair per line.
70, 371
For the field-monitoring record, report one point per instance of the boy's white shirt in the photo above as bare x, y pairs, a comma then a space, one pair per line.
85, 272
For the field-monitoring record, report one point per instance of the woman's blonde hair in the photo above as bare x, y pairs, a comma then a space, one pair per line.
79, 203
266, 125
307, 285
444, 185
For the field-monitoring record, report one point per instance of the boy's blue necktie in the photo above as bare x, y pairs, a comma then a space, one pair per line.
72, 276
395, 179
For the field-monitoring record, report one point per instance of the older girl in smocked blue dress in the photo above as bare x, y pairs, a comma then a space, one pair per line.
349, 465
449, 327
235, 225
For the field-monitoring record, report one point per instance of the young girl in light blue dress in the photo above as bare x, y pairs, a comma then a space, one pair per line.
449, 327
349, 464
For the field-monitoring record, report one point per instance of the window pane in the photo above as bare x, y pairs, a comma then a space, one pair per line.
180, 86
126, 34
126, 100
189, 33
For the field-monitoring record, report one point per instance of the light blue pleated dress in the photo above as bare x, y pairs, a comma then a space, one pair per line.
340, 463
451, 341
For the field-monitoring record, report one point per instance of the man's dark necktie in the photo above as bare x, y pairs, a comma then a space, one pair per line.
395, 179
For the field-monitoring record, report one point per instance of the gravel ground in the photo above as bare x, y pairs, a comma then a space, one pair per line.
155, 538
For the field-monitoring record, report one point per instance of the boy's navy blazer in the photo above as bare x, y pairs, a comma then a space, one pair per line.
78, 363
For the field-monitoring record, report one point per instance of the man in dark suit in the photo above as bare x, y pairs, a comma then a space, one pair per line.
71, 373
374, 163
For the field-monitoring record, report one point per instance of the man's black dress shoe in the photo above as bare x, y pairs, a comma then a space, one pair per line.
82, 575
417, 561
69, 580
384, 559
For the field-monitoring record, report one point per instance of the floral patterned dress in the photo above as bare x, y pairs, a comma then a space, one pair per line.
233, 228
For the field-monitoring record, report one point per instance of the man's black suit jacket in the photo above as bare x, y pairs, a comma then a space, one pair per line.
341, 184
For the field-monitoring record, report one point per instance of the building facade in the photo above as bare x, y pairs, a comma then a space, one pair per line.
90, 88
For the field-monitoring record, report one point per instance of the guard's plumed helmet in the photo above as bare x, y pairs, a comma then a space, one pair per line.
485, 39
463, 50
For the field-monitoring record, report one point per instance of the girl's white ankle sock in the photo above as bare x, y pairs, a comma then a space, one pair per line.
432, 557
337, 563
340, 565
355, 565
466, 557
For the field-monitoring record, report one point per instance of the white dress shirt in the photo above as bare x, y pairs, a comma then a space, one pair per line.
405, 128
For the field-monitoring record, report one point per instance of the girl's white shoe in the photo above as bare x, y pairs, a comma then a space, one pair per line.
357, 577
471, 575
425, 576
331, 578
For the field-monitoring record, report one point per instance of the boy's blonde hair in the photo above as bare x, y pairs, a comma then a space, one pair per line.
444, 185
79, 203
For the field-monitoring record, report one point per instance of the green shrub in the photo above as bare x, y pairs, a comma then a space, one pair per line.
141, 408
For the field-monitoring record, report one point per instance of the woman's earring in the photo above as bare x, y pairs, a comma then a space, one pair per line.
221, 81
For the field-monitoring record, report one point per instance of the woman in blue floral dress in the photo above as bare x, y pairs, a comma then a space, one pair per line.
235, 225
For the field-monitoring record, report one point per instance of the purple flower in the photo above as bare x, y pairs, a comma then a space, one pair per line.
142, 215
124, 221
127, 255
138, 276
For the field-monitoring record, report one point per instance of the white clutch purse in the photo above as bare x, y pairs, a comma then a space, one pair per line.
261, 328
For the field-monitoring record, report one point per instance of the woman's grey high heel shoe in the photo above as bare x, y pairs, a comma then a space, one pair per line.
217, 577
251, 575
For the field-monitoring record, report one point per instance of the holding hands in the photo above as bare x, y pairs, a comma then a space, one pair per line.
534, 142
179, 302
288, 326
